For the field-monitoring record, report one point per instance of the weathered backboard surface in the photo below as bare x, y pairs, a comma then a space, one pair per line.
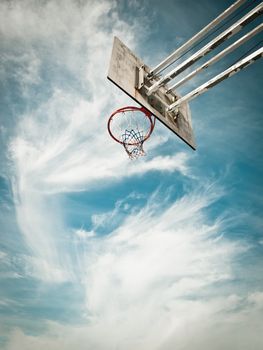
125, 72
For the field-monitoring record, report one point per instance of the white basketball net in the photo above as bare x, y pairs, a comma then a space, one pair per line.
133, 143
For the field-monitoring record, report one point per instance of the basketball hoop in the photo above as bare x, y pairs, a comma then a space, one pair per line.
131, 127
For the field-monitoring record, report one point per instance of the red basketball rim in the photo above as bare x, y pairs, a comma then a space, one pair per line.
127, 109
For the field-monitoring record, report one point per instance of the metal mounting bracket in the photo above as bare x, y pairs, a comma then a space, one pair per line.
139, 79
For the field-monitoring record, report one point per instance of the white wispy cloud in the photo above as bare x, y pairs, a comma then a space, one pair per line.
153, 283
61, 144
159, 246
150, 282
220, 323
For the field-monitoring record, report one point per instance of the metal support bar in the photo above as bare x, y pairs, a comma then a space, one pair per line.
196, 37
235, 28
217, 79
216, 58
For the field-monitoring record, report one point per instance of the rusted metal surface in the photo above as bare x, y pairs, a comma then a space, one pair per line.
170, 59
219, 78
217, 57
235, 28
125, 72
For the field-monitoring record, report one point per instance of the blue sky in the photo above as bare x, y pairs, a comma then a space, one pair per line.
100, 252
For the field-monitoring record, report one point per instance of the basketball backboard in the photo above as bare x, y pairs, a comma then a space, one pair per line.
129, 73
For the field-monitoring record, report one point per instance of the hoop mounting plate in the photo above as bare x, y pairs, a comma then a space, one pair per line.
126, 71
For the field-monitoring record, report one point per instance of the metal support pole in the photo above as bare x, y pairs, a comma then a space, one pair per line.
235, 28
216, 58
196, 37
218, 78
